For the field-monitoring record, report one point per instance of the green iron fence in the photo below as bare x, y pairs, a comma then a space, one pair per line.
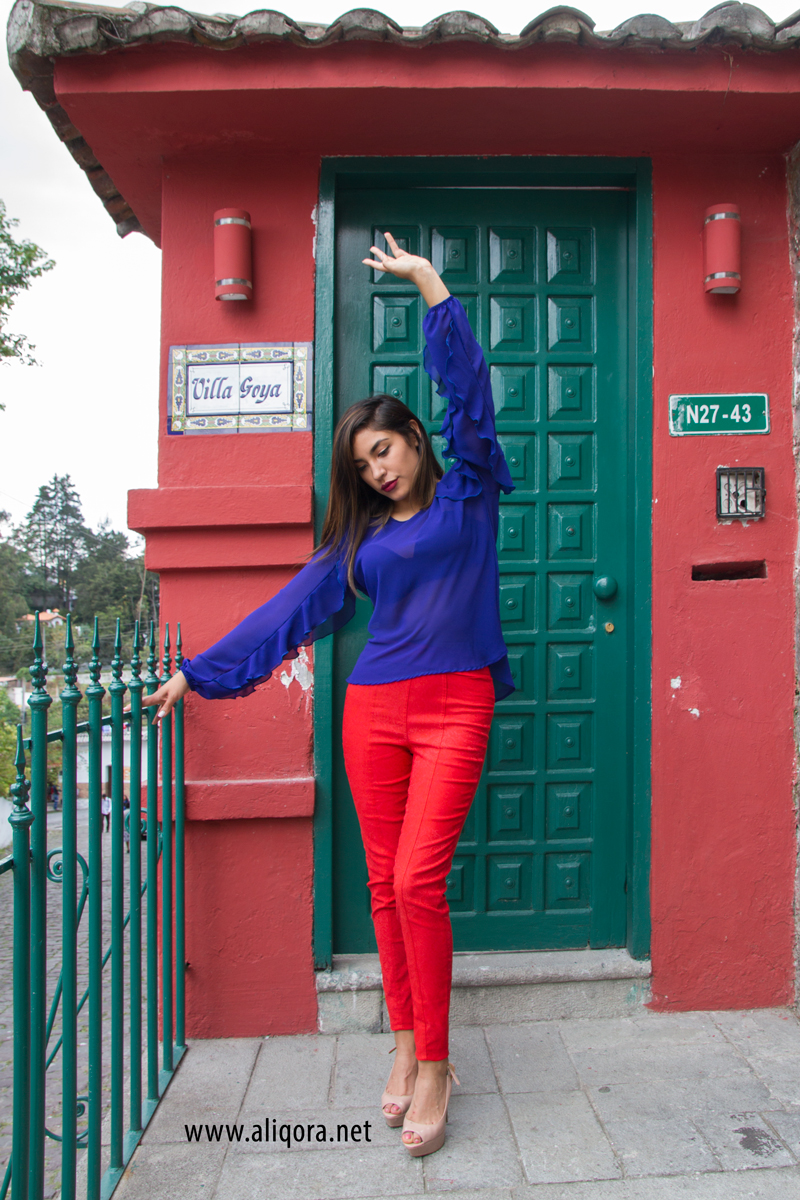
136, 1011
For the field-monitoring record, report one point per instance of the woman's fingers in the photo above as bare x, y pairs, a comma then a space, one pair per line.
396, 251
384, 261
165, 707
167, 696
163, 699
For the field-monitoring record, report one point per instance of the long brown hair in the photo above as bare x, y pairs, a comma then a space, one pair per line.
353, 506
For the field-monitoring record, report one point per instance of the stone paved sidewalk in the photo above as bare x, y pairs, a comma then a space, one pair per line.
690, 1106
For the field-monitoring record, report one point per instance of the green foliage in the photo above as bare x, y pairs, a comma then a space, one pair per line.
13, 603
54, 560
8, 748
9, 719
110, 583
20, 263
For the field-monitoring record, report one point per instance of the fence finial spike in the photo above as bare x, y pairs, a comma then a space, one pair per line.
95, 665
19, 757
178, 647
20, 788
116, 661
151, 676
70, 666
136, 662
166, 660
38, 666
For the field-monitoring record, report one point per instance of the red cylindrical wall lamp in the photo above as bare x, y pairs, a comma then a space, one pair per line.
233, 256
722, 249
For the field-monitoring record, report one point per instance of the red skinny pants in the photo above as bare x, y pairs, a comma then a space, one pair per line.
414, 752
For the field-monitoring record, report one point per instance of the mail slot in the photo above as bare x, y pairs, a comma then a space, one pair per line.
730, 570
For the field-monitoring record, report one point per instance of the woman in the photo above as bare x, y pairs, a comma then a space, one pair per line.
419, 703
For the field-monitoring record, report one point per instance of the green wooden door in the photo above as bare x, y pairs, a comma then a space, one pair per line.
543, 276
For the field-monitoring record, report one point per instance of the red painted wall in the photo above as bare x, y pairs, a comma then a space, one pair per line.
723, 747
229, 524
231, 132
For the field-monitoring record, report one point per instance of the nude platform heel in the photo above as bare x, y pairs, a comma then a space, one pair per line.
404, 1104
393, 1120
432, 1135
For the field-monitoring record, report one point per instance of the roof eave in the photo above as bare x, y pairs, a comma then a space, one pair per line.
41, 31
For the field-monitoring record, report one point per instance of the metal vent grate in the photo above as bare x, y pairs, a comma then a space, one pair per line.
740, 493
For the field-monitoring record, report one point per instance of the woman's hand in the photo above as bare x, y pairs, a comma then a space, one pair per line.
168, 695
409, 266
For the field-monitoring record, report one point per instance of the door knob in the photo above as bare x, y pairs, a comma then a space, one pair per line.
605, 587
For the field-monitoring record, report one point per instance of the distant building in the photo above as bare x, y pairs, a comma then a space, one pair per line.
50, 617
15, 689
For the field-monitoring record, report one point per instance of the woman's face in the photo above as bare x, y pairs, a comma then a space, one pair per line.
386, 461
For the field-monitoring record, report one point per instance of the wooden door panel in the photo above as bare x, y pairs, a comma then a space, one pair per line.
543, 277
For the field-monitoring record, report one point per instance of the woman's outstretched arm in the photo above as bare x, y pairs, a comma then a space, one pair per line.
316, 602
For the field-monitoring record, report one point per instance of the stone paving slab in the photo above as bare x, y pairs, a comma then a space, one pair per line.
329, 1175
172, 1172
744, 1141
480, 1149
644, 1028
216, 1082
768, 1185
687, 1106
659, 1145
560, 1138
531, 1058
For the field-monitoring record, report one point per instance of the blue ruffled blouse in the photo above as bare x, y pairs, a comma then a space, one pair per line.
433, 579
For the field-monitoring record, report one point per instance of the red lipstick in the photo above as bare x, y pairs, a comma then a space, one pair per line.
387, 487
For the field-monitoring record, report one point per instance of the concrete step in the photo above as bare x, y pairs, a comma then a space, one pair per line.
494, 988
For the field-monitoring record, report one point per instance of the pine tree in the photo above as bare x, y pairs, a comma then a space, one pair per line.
55, 538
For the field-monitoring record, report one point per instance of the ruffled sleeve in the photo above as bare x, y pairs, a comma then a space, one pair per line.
315, 603
455, 363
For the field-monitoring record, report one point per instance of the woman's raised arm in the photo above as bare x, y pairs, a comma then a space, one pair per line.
413, 267
455, 362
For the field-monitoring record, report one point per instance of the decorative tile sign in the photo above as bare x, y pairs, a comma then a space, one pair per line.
240, 388
739, 412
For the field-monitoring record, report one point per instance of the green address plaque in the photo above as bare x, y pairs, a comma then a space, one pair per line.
744, 412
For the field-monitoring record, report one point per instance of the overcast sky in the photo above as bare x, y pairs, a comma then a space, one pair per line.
90, 409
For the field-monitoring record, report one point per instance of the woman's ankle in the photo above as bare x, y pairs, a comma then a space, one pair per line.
404, 1049
432, 1069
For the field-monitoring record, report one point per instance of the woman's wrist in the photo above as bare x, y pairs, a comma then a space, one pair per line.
429, 282
185, 679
